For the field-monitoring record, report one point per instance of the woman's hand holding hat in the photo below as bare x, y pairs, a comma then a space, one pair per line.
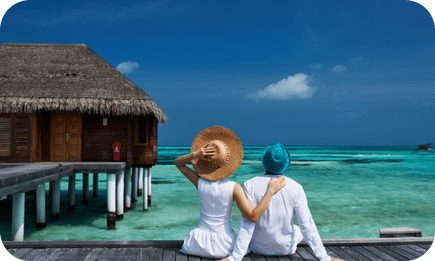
204, 153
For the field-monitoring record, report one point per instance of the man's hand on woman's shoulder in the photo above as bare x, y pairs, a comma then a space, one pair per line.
336, 259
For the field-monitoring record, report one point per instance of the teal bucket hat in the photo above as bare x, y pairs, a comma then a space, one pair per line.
275, 158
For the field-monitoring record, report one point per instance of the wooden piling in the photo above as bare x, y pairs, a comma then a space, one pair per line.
85, 188
111, 201
140, 182
120, 195
134, 186
55, 199
18, 216
40, 206
145, 193
71, 192
95, 185
149, 186
127, 189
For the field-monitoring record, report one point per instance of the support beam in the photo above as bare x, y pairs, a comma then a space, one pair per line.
18, 216
127, 189
140, 180
149, 186
95, 185
120, 195
40, 207
55, 199
145, 193
111, 201
72, 192
85, 188
134, 186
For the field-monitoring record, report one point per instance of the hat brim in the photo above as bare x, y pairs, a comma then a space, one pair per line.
234, 146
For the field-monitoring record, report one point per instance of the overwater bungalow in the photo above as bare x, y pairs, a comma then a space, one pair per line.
63, 102
425, 147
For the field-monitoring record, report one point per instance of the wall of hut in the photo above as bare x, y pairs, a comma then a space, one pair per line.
146, 154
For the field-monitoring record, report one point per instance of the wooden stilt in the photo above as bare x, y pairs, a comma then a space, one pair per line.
111, 201
120, 195
127, 189
145, 193
55, 199
95, 185
149, 186
140, 182
18, 216
85, 188
72, 192
134, 186
40, 207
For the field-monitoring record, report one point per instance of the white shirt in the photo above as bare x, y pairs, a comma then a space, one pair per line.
275, 233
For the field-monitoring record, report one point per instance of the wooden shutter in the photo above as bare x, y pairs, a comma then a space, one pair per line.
22, 137
5, 137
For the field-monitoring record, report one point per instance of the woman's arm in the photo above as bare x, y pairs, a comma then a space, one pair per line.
190, 174
245, 207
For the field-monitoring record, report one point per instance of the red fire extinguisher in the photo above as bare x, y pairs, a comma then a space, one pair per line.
116, 150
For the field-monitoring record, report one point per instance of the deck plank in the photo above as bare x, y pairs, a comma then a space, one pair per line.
370, 255
355, 254
94, 254
144, 254
180, 256
284, 258
408, 249
207, 259
379, 253
131, 254
418, 249
42, 255
331, 253
156, 254
425, 246
169, 254
296, 257
344, 255
82, 254
402, 252
12, 250
391, 253
193, 258
21, 252
256, 257
246, 258
68, 255
271, 258
31, 254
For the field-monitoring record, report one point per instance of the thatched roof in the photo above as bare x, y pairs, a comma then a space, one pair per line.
37, 77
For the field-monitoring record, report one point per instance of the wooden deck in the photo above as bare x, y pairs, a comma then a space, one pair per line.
349, 250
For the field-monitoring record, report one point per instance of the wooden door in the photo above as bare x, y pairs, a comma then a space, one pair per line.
65, 136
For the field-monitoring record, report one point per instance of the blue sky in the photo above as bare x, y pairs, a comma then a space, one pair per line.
305, 72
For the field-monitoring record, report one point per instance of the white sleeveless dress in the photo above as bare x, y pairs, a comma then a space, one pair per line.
213, 237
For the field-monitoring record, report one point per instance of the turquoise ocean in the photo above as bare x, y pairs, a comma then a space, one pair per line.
352, 192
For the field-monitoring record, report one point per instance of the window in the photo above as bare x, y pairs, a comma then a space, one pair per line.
141, 130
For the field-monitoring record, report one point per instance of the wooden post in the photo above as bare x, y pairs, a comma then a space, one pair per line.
55, 199
134, 186
149, 186
140, 183
111, 201
71, 192
120, 195
95, 185
40, 207
127, 189
145, 193
85, 188
18, 216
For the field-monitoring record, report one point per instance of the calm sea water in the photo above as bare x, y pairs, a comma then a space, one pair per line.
351, 191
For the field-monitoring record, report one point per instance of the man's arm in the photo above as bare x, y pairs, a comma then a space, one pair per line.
308, 227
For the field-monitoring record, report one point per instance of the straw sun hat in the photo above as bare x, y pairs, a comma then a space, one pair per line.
228, 153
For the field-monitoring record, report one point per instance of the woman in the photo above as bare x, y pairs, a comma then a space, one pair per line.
216, 153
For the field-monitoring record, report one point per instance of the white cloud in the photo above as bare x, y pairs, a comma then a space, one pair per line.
294, 87
315, 66
339, 69
127, 67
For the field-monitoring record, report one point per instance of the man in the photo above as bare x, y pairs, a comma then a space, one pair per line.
275, 233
